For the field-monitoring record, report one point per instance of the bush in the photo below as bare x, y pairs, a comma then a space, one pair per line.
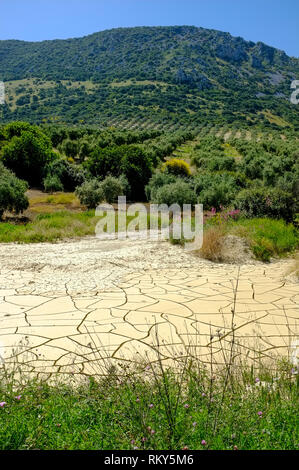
52, 183
113, 187
158, 180
212, 244
129, 160
28, 152
266, 202
12, 192
179, 193
90, 193
177, 167
216, 189
69, 174
137, 168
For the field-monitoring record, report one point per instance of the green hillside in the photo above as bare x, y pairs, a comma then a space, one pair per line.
149, 77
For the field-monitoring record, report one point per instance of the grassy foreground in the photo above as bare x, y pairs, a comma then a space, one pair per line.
155, 411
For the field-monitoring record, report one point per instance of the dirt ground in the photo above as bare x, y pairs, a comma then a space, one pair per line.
70, 304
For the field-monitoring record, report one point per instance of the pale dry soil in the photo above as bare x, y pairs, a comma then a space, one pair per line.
78, 306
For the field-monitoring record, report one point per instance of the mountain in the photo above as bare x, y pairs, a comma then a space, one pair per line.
180, 75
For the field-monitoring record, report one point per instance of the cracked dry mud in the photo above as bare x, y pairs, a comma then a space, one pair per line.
72, 306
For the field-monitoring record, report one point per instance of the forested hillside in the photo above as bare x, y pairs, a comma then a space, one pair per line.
150, 77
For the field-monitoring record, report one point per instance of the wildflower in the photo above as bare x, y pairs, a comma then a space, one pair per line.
257, 380
186, 405
143, 439
151, 405
235, 448
18, 397
233, 436
2, 403
203, 394
132, 442
135, 448
147, 368
203, 443
194, 424
186, 448
58, 425
137, 400
260, 413
153, 431
149, 429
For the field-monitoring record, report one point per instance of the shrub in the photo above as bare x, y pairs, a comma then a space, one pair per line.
179, 193
12, 192
28, 152
137, 168
129, 160
113, 187
177, 167
158, 180
69, 174
52, 183
69, 148
212, 244
216, 189
216, 196
266, 202
90, 193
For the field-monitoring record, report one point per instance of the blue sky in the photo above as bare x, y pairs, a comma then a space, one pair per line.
275, 22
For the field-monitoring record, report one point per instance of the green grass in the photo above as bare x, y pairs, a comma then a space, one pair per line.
50, 227
267, 238
152, 411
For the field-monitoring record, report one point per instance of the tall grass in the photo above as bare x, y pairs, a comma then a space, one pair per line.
50, 227
213, 243
155, 410
267, 237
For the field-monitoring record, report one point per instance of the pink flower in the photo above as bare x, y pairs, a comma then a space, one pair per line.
260, 413
186, 448
151, 406
152, 431
203, 394
2, 404
18, 397
137, 400
203, 443
257, 380
186, 405
194, 424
